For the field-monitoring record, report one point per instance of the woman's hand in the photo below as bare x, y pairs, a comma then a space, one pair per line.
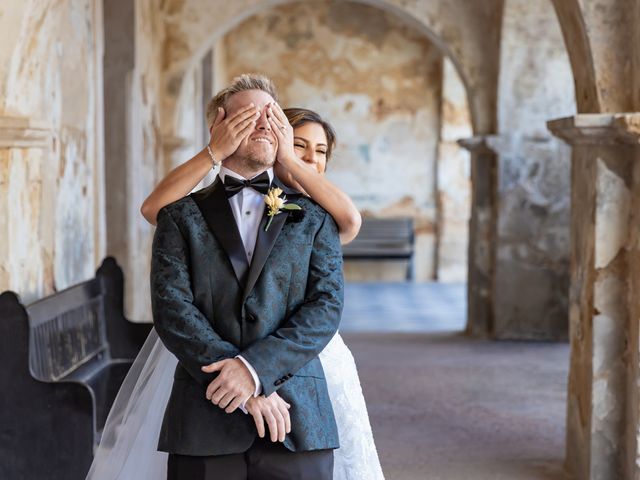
228, 133
283, 131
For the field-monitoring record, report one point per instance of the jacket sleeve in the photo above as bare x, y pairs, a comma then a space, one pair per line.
181, 326
303, 335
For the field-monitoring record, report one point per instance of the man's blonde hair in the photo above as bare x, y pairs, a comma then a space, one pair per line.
246, 81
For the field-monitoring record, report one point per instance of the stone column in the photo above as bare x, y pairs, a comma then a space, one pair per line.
122, 160
531, 279
482, 234
602, 413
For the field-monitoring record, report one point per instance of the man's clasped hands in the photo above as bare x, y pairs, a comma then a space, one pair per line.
235, 385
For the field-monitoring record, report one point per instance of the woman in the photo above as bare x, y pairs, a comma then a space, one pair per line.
128, 446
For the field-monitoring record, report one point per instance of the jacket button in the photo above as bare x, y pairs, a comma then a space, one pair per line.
277, 382
252, 318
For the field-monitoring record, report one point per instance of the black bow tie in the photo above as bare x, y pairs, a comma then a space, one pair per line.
233, 185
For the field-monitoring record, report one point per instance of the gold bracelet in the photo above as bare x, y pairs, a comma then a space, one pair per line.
213, 160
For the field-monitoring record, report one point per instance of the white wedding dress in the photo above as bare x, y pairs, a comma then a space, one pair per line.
127, 450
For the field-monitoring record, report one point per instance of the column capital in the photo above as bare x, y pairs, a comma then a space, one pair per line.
503, 143
481, 144
24, 132
598, 128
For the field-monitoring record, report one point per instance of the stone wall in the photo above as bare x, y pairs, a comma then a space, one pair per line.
56, 199
532, 260
51, 161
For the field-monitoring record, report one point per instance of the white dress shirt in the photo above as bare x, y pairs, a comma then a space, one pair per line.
248, 208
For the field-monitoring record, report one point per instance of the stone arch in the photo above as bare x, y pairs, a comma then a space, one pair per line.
576, 41
602, 42
471, 53
478, 109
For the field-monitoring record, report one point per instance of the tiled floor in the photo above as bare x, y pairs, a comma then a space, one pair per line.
404, 307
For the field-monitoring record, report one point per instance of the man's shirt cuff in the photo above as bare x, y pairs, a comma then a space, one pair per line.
256, 380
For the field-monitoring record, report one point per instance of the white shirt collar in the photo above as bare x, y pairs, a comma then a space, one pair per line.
224, 171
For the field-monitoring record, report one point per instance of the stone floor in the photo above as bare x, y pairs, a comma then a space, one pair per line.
446, 407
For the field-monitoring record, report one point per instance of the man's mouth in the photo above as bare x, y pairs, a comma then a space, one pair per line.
262, 140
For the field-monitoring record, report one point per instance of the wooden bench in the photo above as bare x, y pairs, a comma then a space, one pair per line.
62, 361
384, 239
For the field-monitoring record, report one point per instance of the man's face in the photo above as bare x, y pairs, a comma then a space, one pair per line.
259, 148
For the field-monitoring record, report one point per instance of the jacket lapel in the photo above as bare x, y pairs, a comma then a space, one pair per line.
266, 240
213, 204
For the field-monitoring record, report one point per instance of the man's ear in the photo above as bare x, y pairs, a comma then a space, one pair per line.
219, 117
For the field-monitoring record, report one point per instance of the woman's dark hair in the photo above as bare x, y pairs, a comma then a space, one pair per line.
299, 116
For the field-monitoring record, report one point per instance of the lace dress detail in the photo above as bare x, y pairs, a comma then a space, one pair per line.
128, 448
357, 458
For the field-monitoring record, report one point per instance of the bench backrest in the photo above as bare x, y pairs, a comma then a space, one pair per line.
382, 237
387, 229
66, 330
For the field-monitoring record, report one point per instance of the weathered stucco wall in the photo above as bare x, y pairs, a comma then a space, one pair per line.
54, 192
51, 152
11, 18
464, 30
378, 82
532, 258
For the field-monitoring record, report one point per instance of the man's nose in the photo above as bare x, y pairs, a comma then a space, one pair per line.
263, 123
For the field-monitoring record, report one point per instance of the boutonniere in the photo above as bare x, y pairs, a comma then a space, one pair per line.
277, 204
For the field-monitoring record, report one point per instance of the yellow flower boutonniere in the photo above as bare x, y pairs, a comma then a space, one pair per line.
277, 204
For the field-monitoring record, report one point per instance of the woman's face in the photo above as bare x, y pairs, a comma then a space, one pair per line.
310, 145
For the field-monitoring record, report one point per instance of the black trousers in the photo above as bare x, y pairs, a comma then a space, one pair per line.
263, 461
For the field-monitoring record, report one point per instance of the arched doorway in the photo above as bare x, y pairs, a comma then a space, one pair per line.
393, 157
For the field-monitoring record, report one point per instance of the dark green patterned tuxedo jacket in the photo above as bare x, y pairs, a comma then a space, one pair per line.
278, 313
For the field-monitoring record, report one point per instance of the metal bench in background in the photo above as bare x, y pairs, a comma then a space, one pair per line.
384, 239
62, 361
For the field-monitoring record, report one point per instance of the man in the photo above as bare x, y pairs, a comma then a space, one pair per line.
246, 301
